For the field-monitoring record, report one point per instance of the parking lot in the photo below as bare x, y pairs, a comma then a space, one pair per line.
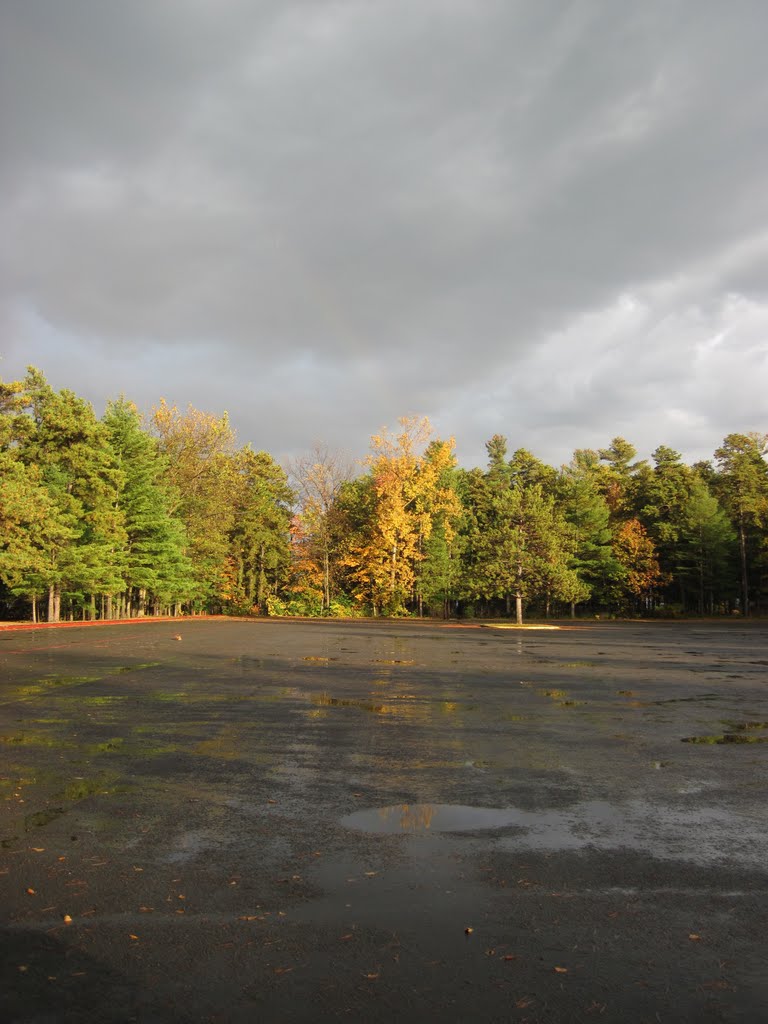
307, 821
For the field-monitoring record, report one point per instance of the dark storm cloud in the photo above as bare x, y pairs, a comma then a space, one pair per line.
535, 219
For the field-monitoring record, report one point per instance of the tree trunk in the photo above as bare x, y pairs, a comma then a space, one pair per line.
701, 587
51, 604
34, 607
573, 609
744, 581
519, 609
262, 578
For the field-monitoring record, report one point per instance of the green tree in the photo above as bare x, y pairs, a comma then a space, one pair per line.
259, 541
706, 541
662, 496
586, 511
84, 556
517, 544
743, 489
158, 574
617, 471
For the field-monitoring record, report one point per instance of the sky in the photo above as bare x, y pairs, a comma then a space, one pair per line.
546, 219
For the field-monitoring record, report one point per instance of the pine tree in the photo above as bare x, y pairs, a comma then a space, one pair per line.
259, 541
742, 485
85, 558
158, 573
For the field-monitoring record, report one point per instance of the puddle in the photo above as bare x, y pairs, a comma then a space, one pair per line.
429, 818
325, 700
701, 835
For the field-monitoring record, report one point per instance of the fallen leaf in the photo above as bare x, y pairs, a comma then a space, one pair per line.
23, 968
370, 874
30, 892
271, 801
346, 938
134, 937
511, 956
38, 849
146, 910
371, 977
524, 1002
561, 970
694, 937
468, 930
67, 919
283, 970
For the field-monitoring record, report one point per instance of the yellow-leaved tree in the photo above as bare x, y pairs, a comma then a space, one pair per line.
202, 474
406, 480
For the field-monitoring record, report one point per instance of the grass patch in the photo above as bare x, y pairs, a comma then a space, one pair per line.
726, 738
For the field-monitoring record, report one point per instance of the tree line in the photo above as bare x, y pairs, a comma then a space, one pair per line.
124, 516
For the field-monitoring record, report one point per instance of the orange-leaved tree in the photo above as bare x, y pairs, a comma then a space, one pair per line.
636, 553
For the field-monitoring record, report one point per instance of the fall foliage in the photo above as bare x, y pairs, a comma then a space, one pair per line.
124, 516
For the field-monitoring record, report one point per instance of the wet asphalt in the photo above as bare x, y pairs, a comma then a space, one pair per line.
308, 821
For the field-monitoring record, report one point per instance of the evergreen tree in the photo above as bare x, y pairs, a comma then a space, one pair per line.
84, 556
518, 545
706, 548
586, 511
158, 573
743, 489
259, 540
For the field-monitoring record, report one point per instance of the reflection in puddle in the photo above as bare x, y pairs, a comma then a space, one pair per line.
703, 835
429, 818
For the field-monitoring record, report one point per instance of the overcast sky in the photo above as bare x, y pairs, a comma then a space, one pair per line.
541, 218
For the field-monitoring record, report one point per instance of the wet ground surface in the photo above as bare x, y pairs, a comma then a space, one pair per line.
362, 821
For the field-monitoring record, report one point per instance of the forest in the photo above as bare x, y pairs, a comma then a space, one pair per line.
126, 515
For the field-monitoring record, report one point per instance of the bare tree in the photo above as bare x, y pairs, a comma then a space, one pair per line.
318, 479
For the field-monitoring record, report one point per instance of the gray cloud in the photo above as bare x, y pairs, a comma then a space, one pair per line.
547, 220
